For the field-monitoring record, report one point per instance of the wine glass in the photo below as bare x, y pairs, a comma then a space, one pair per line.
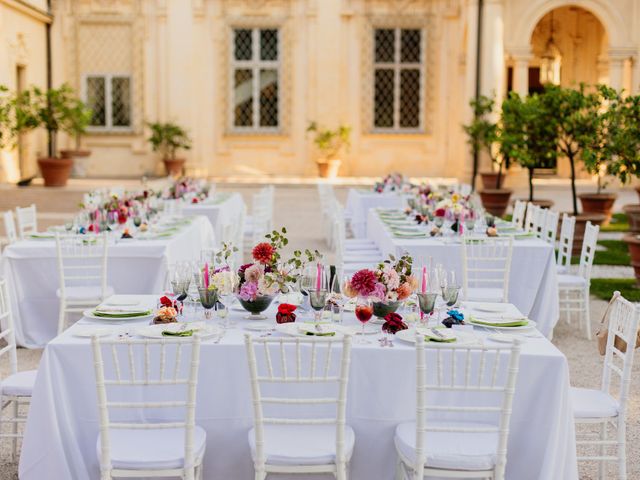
208, 299
306, 282
338, 281
427, 302
227, 296
319, 292
364, 312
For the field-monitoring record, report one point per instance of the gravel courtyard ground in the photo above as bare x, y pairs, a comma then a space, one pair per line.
297, 207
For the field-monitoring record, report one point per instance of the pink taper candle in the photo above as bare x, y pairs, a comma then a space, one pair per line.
424, 286
206, 275
318, 282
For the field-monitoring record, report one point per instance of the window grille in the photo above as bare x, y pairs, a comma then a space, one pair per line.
109, 97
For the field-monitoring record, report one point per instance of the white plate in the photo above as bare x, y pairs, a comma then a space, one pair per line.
293, 329
486, 307
122, 300
85, 331
503, 337
258, 327
530, 325
462, 338
89, 314
155, 331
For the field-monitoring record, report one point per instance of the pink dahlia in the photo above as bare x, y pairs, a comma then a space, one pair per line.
263, 252
364, 282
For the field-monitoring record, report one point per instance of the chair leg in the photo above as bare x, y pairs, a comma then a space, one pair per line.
190, 474
14, 430
62, 316
603, 450
261, 474
341, 471
622, 450
398, 469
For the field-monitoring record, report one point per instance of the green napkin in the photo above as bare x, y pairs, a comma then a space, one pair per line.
180, 333
122, 315
320, 334
516, 323
41, 235
523, 236
409, 235
435, 338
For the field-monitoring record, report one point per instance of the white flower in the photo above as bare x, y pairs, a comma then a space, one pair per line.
224, 282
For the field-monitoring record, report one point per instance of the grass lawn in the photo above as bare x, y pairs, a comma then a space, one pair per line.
619, 223
603, 288
616, 253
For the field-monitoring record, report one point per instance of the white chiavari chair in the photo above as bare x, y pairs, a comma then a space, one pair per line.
550, 230
565, 243
288, 372
151, 376
529, 215
519, 209
607, 406
260, 222
484, 379
82, 270
539, 220
574, 289
486, 266
352, 258
9, 227
27, 219
17, 387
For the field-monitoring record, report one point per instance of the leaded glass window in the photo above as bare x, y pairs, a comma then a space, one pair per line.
398, 69
109, 97
255, 63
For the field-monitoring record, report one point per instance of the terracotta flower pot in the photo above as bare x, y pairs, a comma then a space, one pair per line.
638, 191
74, 153
633, 214
55, 171
541, 203
80, 164
490, 180
328, 168
174, 167
601, 203
495, 200
633, 244
581, 224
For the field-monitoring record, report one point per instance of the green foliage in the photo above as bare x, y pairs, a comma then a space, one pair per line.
331, 143
619, 223
603, 288
6, 132
611, 252
55, 110
167, 138
527, 136
482, 132
226, 251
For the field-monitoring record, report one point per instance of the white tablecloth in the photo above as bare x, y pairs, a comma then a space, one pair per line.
223, 209
133, 266
60, 440
359, 202
533, 284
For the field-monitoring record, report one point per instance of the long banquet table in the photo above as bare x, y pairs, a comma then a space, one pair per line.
360, 201
133, 266
60, 438
533, 285
223, 209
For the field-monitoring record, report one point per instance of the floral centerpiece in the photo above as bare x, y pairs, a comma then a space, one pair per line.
187, 188
390, 283
394, 182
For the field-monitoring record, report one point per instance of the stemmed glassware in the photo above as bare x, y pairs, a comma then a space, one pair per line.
364, 312
319, 292
306, 282
337, 293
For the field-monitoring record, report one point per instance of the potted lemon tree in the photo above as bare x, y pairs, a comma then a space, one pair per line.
53, 110
331, 144
167, 138
79, 120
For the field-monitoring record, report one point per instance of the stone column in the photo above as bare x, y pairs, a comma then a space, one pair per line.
493, 64
616, 68
521, 58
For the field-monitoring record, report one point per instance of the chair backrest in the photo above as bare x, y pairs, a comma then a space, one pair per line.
7, 332
338, 231
550, 230
528, 219
589, 243
160, 374
290, 372
10, 226
623, 325
27, 220
519, 209
539, 220
486, 263
82, 261
565, 244
482, 380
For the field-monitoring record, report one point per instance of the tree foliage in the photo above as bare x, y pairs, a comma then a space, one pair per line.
167, 138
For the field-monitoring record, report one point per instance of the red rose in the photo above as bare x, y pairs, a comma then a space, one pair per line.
440, 212
194, 200
91, 227
122, 218
166, 301
286, 308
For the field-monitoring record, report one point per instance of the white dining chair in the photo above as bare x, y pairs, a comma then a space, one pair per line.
27, 220
532, 209
352, 257
574, 289
260, 222
550, 230
519, 209
459, 438
300, 372
139, 379
486, 267
9, 227
16, 388
606, 407
539, 221
565, 243
82, 271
